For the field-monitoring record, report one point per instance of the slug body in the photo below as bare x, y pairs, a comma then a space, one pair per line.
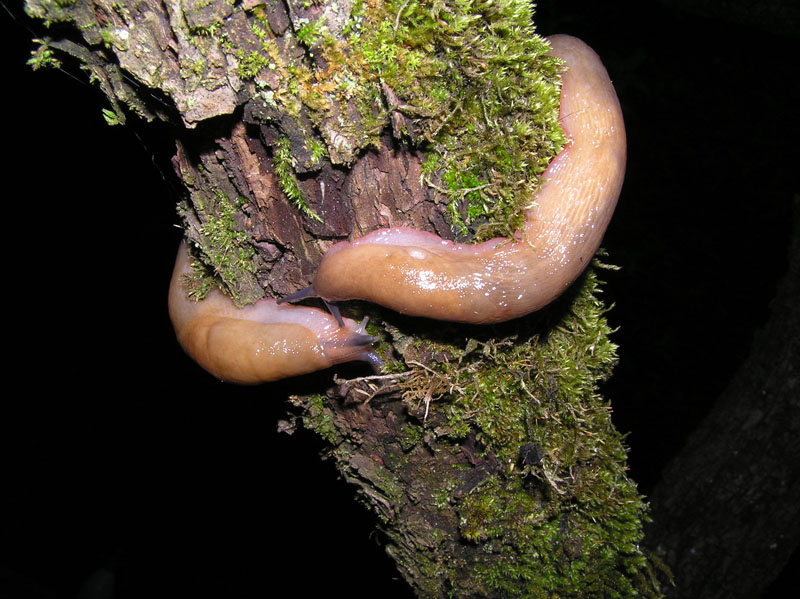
418, 273
261, 342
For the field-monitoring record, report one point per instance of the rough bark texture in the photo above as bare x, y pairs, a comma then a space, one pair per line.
486, 453
381, 189
745, 456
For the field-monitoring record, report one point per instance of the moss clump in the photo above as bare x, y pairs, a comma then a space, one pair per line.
309, 33
282, 160
318, 417
43, 56
227, 245
560, 517
51, 11
476, 91
223, 244
251, 64
537, 552
512, 390
541, 506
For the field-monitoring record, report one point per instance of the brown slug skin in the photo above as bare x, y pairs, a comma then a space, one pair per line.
263, 341
420, 274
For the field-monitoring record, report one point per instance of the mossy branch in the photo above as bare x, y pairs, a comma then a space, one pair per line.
487, 454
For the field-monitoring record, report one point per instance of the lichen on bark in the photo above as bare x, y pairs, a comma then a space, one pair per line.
486, 453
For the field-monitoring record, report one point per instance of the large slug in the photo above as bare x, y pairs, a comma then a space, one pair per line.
418, 273
263, 341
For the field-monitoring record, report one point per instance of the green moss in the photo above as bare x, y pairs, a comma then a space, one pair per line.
111, 117
282, 160
317, 417
512, 390
224, 245
560, 518
43, 56
250, 64
113, 37
410, 437
206, 30
51, 11
309, 34
200, 282
469, 79
478, 93
443, 495
225, 234
317, 151
567, 552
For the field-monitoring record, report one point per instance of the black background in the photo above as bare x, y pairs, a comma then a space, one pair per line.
117, 451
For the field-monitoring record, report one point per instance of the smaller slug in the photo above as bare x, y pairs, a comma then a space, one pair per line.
420, 274
263, 341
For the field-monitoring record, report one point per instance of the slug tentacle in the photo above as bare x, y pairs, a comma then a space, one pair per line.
297, 296
418, 273
264, 341
307, 293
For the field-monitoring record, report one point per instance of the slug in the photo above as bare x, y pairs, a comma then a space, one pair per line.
263, 341
420, 274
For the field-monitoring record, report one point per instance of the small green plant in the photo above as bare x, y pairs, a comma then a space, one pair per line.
318, 151
111, 117
250, 64
282, 160
309, 33
43, 57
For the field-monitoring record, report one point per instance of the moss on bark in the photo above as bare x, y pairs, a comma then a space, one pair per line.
486, 453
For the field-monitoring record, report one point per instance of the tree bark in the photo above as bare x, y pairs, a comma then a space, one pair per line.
744, 456
487, 455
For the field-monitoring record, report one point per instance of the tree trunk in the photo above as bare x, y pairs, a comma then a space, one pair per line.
486, 453
745, 456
